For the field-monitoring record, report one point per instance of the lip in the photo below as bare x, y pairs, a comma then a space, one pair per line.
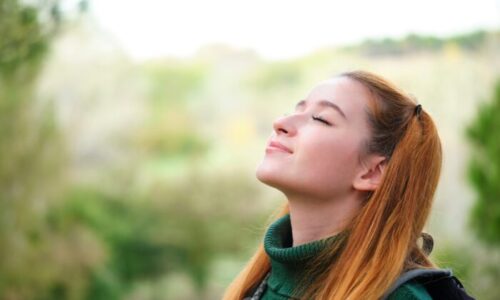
274, 145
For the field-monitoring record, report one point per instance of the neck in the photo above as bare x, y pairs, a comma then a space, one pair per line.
313, 219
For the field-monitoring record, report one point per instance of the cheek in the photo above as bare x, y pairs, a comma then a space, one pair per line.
329, 159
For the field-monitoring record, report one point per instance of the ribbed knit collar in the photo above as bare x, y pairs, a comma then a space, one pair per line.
287, 262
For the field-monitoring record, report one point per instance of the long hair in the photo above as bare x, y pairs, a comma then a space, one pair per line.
382, 238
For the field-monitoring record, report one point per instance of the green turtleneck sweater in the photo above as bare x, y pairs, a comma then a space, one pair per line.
288, 264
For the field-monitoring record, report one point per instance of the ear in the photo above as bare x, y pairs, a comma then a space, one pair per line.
370, 173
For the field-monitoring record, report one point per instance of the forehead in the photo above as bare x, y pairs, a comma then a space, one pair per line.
351, 96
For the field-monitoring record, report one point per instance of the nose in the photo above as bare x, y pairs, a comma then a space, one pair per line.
283, 125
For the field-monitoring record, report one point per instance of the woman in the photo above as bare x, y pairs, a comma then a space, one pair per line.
358, 162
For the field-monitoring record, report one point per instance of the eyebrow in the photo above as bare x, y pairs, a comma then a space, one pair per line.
323, 103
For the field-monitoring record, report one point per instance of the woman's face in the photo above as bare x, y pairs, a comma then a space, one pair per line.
324, 136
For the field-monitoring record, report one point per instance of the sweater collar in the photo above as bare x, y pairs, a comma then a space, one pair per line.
287, 262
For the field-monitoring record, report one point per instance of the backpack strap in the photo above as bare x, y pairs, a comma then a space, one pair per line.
445, 288
439, 283
417, 273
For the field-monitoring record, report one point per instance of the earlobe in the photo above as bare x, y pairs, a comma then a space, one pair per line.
370, 176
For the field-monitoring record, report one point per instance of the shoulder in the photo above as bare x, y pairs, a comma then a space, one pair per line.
411, 290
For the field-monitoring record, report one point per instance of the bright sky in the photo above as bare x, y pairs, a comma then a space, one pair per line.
279, 29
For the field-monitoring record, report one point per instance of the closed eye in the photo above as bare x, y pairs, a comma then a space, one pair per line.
320, 119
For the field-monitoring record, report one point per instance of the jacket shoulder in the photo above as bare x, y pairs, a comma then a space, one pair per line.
411, 290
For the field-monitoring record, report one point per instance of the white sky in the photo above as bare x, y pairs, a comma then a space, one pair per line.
279, 29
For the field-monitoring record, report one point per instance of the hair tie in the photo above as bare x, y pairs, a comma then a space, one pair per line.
418, 109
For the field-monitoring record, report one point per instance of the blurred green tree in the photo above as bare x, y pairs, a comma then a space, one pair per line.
484, 176
170, 130
484, 169
130, 232
174, 228
32, 159
413, 43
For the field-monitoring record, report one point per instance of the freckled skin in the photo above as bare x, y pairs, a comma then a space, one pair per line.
324, 161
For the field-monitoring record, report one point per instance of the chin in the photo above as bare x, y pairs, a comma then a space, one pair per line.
266, 175
271, 177
263, 174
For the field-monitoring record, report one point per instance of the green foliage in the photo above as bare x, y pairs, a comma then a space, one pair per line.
275, 76
172, 84
471, 41
204, 215
173, 137
33, 256
417, 43
22, 40
170, 131
174, 229
25, 37
130, 232
484, 169
31, 157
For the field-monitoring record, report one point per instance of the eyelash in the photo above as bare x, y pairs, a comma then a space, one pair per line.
316, 118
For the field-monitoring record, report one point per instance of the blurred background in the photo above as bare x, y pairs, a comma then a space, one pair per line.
130, 132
